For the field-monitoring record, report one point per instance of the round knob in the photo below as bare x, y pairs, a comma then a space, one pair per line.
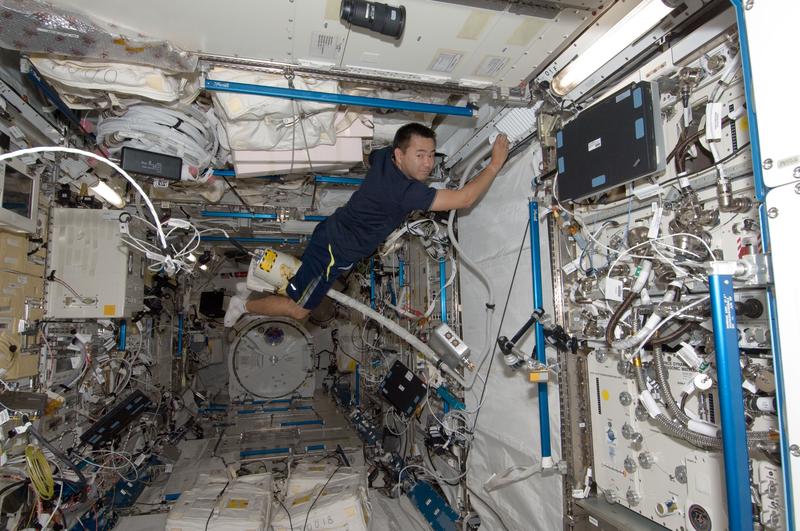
772, 490
680, 474
703, 382
646, 459
636, 441
600, 356
627, 430
630, 465
641, 413
610, 495
633, 497
625, 398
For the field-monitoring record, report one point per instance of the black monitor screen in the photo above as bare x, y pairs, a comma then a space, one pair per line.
17, 193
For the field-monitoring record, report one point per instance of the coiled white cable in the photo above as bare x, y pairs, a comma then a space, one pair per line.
181, 131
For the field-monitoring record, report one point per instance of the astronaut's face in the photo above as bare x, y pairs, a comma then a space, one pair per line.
418, 158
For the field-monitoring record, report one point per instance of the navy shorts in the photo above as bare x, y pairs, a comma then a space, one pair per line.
317, 273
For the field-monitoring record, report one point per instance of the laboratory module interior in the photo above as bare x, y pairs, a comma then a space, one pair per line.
604, 339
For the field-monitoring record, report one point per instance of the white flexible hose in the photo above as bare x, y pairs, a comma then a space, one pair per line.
487, 344
84, 368
644, 275
396, 329
651, 323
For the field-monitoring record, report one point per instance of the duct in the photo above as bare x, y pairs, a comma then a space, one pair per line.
467, 173
396, 329
652, 322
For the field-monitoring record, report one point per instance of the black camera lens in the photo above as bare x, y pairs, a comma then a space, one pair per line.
375, 16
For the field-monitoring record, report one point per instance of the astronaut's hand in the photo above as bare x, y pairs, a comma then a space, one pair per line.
499, 152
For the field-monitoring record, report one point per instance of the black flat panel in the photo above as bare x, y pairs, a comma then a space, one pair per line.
211, 304
115, 421
403, 389
614, 142
151, 164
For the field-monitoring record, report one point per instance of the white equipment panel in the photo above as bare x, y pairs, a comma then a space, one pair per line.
777, 116
783, 213
87, 253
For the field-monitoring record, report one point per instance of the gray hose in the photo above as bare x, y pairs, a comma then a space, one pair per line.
671, 428
473, 161
617, 315
666, 390
678, 429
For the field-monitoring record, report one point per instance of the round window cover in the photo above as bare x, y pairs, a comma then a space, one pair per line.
271, 358
274, 335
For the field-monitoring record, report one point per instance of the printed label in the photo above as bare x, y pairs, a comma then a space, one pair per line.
446, 61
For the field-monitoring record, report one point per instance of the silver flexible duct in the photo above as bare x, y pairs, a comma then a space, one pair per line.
676, 429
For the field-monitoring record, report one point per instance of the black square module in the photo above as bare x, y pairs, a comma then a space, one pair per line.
403, 389
212, 304
615, 141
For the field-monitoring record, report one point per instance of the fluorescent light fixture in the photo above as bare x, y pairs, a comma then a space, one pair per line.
632, 26
205, 259
108, 194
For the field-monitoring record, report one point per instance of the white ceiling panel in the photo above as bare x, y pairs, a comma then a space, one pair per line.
459, 41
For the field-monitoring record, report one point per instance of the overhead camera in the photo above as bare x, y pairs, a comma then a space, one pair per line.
381, 18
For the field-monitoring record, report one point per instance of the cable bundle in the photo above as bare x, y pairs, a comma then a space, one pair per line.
182, 131
39, 471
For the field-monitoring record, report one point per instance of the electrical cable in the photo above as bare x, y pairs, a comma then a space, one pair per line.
38, 469
59, 454
431, 473
15, 485
288, 514
53, 278
56, 508
308, 514
500, 327
236, 193
479, 155
488, 506
182, 131
219, 496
